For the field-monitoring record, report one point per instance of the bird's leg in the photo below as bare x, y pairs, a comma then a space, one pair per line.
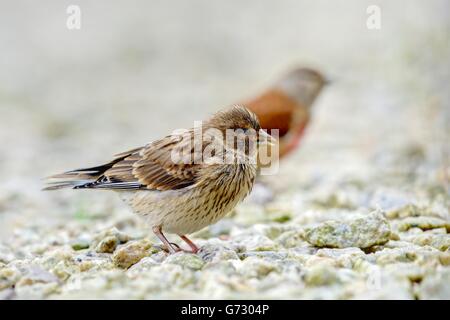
166, 248
173, 248
194, 248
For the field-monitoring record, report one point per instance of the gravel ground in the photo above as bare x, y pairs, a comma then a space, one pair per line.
361, 211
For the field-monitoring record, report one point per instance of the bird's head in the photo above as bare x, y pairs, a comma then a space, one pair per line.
236, 117
240, 125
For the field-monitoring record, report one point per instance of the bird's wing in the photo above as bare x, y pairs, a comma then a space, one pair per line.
156, 166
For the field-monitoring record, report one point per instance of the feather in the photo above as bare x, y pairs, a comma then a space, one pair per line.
151, 167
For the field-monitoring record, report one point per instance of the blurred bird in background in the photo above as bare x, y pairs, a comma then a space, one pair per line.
286, 106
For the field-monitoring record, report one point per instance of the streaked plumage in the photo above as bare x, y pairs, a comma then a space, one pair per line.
171, 196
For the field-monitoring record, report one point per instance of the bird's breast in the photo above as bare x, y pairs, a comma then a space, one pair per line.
187, 210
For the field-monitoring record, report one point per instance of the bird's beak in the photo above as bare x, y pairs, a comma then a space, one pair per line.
264, 137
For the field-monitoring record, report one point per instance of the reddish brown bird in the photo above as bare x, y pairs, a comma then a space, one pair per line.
286, 106
171, 185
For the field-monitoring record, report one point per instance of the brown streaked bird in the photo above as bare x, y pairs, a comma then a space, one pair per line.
176, 196
286, 106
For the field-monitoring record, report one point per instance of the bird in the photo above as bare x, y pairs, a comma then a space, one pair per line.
287, 104
171, 182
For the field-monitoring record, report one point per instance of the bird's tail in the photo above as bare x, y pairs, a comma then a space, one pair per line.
76, 179
86, 177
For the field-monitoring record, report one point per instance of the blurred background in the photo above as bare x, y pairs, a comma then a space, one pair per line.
136, 70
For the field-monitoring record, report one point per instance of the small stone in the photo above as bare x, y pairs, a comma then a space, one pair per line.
216, 253
345, 258
92, 261
6, 255
362, 232
435, 286
107, 241
267, 255
337, 253
55, 256
143, 265
80, 246
254, 267
186, 260
82, 242
291, 239
107, 245
35, 274
438, 241
409, 210
35, 291
437, 231
410, 253
409, 270
131, 253
316, 260
64, 270
424, 223
255, 242
8, 277
444, 258
7, 294
321, 275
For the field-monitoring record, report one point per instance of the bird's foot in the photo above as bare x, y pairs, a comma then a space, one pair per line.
189, 251
174, 248
194, 248
171, 247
